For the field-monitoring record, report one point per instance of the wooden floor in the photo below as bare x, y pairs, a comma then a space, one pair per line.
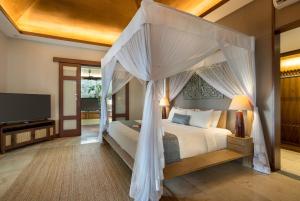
290, 162
102, 175
89, 134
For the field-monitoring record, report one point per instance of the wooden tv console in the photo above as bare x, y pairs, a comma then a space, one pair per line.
21, 134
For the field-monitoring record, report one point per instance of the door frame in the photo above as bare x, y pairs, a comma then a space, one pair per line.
77, 131
276, 165
71, 62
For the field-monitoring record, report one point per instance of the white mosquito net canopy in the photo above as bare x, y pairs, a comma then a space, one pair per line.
162, 42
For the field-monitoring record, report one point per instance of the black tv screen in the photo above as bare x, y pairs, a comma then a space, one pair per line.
89, 104
24, 107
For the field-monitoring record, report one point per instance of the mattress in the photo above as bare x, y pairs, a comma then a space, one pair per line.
192, 140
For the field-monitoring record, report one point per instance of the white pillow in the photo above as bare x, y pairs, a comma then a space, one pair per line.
176, 110
215, 117
200, 118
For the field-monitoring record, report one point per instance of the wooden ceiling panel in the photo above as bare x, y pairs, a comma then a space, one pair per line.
290, 63
16, 8
91, 21
107, 12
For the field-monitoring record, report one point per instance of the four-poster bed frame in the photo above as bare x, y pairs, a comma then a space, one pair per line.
192, 164
162, 42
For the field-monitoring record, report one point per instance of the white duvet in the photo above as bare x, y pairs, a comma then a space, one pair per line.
192, 140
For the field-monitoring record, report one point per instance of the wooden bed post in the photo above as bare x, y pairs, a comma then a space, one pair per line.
167, 88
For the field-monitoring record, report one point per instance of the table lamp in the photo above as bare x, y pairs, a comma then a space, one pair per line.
164, 102
240, 103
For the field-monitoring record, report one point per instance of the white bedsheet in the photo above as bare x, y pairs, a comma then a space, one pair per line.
192, 140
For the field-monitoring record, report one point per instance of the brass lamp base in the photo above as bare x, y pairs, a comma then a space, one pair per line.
239, 124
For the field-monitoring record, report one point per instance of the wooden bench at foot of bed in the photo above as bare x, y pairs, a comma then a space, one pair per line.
187, 165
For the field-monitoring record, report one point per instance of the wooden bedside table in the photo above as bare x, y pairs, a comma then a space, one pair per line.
243, 146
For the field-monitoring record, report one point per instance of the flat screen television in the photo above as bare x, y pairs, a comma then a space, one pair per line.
24, 107
89, 104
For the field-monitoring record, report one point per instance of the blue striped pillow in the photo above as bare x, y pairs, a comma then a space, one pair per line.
181, 119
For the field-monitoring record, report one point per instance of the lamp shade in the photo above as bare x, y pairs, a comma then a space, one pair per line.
164, 102
240, 102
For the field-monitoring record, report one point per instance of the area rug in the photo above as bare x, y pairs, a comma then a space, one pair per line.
91, 172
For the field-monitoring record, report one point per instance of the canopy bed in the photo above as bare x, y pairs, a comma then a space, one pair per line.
186, 148
161, 42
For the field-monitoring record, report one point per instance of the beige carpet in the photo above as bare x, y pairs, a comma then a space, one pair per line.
72, 173
91, 172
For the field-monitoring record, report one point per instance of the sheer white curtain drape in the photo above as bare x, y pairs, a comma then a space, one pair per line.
221, 78
160, 86
120, 78
147, 172
149, 159
107, 74
165, 55
161, 42
237, 77
177, 82
242, 64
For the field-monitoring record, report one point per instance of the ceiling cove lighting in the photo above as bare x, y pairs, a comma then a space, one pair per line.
194, 7
90, 21
290, 63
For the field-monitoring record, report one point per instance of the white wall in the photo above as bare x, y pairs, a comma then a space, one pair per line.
3, 60
30, 67
290, 40
136, 99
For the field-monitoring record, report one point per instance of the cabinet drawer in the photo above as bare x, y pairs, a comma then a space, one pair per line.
23, 137
40, 133
8, 140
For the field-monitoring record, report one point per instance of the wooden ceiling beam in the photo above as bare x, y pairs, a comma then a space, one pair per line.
290, 53
77, 61
215, 7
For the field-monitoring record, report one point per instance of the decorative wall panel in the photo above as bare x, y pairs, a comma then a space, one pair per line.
197, 88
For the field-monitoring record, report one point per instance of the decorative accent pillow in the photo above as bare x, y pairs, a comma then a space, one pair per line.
181, 119
215, 117
200, 119
176, 110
